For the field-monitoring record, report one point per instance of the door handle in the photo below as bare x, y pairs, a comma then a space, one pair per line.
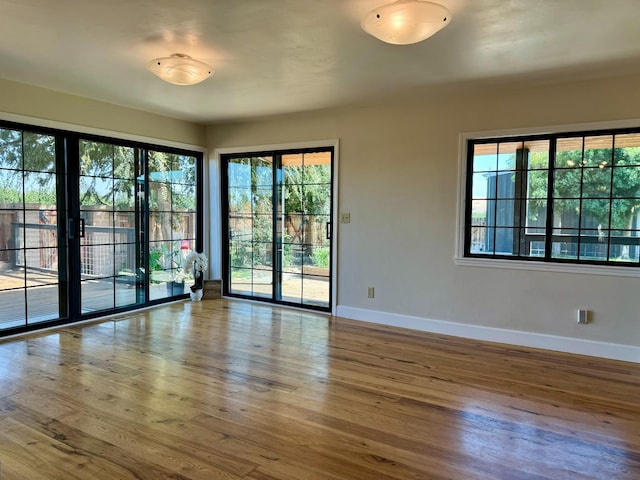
328, 230
76, 228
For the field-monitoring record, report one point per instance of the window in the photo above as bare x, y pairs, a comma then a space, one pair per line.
572, 198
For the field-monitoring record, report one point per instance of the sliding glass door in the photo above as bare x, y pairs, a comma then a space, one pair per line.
91, 226
278, 227
110, 226
32, 252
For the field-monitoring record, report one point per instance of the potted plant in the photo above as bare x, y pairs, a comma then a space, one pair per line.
166, 266
196, 263
177, 267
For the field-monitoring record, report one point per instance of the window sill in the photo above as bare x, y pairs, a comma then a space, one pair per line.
609, 270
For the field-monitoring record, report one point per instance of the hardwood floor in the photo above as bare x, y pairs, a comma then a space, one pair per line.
232, 390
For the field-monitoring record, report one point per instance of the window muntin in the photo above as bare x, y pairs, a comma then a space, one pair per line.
564, 197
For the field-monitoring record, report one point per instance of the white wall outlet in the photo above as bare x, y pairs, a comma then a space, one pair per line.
370, 292
583, 317
345, 218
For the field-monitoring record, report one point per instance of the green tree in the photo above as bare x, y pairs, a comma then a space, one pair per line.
308, 195
308, 189
307, 198
111, 165
27, 150
35, 154
583, 184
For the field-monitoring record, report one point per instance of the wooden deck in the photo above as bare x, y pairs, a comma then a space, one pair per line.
43, 302
300, 289
229, 390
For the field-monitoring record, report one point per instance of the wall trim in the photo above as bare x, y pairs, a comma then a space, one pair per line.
627, 353
101, 132
581, 269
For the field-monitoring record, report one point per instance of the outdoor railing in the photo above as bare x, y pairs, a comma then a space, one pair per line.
102, 249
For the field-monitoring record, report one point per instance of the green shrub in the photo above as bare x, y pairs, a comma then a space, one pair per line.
320, 257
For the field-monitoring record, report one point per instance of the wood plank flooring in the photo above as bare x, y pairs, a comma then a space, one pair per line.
232, 390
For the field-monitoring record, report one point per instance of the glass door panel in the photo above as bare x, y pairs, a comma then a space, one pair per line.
306, 202
172, 222
29, 242
110, 216
262, 228
250, 225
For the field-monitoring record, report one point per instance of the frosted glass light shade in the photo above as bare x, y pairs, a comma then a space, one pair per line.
180, 69
406, 21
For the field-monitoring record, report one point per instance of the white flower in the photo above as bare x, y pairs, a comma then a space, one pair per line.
178, 276
197, 262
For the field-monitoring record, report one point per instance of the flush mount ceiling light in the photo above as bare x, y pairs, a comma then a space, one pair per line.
180, 69
406, 21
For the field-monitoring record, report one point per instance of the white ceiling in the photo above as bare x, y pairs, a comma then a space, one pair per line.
280, 56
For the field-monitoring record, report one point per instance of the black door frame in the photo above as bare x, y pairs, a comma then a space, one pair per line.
276, 247
68, 209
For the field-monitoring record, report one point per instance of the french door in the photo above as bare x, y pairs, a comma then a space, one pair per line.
277, 226
91, 226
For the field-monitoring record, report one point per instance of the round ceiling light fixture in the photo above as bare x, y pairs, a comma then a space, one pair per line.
406, 21
180, 69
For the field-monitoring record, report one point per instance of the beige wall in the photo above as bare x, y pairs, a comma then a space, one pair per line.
40, 103
398, 178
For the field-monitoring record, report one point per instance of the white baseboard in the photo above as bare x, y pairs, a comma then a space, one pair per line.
614, 351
